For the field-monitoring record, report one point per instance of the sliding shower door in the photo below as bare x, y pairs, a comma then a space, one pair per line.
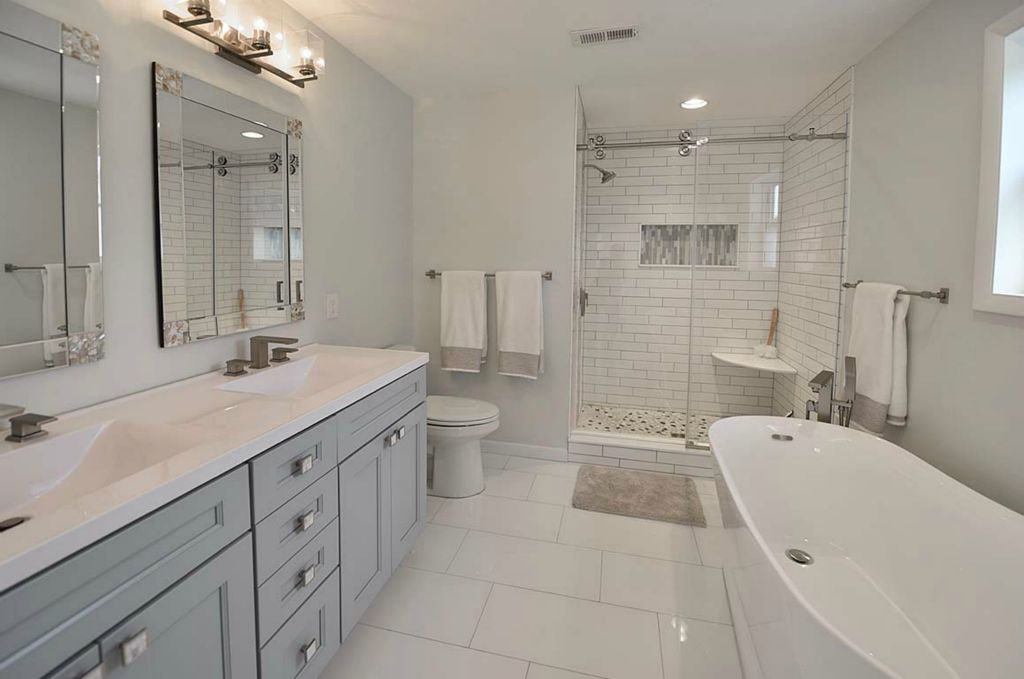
636, 328
735, 262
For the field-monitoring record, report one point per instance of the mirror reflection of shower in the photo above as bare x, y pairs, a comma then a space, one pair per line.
606, 175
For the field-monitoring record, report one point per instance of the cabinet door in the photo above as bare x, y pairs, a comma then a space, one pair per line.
408, 481
365, 529
201, 627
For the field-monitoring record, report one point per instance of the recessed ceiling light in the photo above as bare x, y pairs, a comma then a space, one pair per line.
695, 102
249, 134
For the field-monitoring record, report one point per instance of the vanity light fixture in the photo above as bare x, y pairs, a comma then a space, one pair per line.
252, 34
250, 134
694, 103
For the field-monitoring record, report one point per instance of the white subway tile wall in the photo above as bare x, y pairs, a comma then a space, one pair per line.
639, 351
814, 237
637, 335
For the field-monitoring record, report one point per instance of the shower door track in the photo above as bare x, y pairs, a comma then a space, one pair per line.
710, 140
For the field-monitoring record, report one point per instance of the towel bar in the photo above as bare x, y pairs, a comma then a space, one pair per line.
942, 294
433, 273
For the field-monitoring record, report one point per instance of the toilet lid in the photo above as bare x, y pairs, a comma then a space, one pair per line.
459, 411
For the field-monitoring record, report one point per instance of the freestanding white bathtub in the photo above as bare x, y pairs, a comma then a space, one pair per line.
914, 575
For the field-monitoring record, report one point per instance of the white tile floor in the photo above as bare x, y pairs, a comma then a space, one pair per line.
516, 584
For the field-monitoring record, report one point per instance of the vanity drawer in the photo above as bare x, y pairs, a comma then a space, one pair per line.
81, 665
284, 592
57, 613
291, 653
365, 419
295, 524
284, 471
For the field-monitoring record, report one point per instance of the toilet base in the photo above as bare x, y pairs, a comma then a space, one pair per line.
458, 469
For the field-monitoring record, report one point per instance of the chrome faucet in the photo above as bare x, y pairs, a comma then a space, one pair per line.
823, 386
259, 354
28, 426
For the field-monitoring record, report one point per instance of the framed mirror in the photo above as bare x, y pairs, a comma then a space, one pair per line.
999, 249
229, 211
51, 286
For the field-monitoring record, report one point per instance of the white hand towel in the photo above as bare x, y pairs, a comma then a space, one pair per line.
520, 324
54, 319
92, 316
463, 321
878, 340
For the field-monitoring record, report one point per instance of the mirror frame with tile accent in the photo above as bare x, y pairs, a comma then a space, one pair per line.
51, 288
215, 196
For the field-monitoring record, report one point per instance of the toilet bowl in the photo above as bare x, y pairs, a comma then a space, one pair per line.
454, 429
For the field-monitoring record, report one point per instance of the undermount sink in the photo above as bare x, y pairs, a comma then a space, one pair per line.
306, 376
58, 468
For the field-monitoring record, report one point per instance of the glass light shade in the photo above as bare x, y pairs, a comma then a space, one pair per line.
259, 21
305, 55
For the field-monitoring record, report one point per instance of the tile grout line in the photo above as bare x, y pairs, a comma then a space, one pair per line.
483, 609
457, 550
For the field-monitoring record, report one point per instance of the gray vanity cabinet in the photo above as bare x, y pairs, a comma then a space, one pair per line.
383, 491
201, 627
408, 494
365, 488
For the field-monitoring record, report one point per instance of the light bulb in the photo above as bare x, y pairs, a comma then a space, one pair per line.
259, 23
306, 53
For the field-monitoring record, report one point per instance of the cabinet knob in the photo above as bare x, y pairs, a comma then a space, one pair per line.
133, 648
309, 650
401, 433
304, 465
307, 576
391, 439
305, 522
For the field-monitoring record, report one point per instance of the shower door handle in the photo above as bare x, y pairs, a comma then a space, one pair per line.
584, 299
280, 295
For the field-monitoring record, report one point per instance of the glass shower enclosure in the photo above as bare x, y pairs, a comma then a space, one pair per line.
684, 258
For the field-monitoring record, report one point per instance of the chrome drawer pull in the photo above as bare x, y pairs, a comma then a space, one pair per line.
309, 650
304, 465
94, 673
132, 649
307, 576
391, 439
401, 433
305, 522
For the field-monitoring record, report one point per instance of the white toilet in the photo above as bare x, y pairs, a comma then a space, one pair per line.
454, 429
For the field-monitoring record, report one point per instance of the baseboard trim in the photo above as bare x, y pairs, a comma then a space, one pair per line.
524, 450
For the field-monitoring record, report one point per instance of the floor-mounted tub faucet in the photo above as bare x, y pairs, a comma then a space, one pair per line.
823, 386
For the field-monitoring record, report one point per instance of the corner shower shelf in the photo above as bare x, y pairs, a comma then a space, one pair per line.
768, 365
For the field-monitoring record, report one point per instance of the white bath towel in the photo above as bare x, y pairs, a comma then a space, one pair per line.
463, 321
520, 324
54, 317
92, 315
878, 340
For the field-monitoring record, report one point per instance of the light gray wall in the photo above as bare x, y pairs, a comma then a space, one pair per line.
914, 190
358, 203
494, 185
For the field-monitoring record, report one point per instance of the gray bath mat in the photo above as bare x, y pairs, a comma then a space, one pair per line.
644, 495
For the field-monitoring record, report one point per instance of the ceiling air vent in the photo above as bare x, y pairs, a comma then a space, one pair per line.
598, 36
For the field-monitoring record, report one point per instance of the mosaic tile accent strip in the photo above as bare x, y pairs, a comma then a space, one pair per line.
295, 128
79, 44
644, 421
167, 79
297, 312
671, 245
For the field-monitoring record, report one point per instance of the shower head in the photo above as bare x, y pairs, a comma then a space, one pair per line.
606, 175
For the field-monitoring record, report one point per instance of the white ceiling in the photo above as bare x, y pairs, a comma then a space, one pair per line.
747, 57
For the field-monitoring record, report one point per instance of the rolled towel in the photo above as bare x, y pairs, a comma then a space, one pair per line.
520, 324
463, 321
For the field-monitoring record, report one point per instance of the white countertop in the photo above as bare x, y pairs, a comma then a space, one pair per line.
224, 429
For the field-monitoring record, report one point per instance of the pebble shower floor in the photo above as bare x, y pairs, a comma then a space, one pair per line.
618, 420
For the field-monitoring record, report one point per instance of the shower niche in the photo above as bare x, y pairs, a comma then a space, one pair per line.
229, 212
